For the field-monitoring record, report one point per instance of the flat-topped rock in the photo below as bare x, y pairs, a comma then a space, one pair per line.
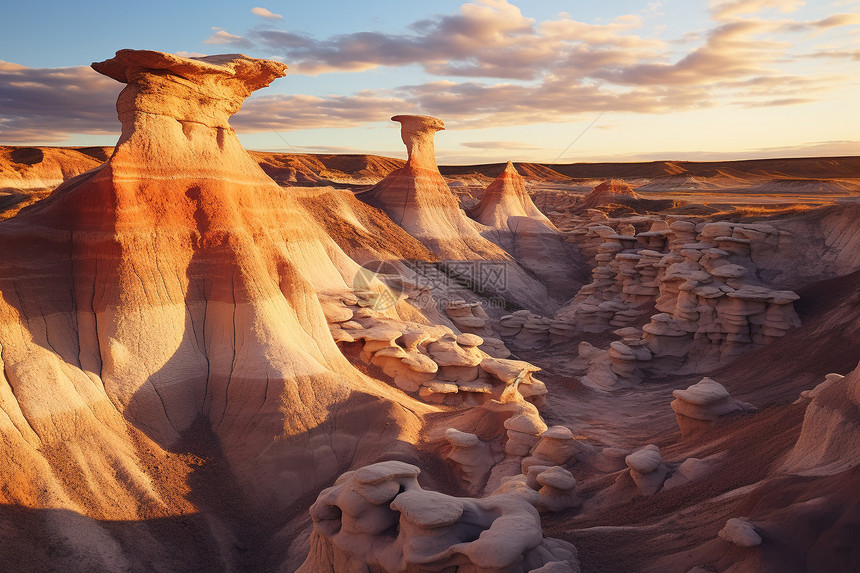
646, 460
740, 532
557, 433
384, 471
556, 477
703, 393
461, 439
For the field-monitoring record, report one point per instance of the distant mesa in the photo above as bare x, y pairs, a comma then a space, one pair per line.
611, 191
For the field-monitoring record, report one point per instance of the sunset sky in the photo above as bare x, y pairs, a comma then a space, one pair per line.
543, 80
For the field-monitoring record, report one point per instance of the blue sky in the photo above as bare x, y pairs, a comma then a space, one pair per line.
512, 79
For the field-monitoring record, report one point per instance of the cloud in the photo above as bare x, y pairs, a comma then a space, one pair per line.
269, 15
490, 64
808, 149
509, 145
731, 9
225, 37
491, 38
292, 112
48, 104
185, 54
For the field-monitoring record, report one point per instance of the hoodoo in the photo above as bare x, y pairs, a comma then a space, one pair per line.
418, 198
174, 284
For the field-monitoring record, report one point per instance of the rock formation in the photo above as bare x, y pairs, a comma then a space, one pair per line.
611, 191
379, 518
700, 279
443, 367
740, 532
418, 198
514, 223
29, 174
647, 469
504, 198
471, 457
701, 404
175, 283
830, 436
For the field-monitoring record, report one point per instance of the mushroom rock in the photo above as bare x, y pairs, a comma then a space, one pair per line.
710, 303
701, 404
469, 317
471, 457
173, 283
556, 447
647, 469
616, 367
518, 379
740, 532
417, 198
378, 517
523, 430
557, 490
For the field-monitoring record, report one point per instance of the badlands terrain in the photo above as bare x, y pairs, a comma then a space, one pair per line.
220, 360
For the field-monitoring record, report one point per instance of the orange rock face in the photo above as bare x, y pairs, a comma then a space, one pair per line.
418, 198
507, 197
610, 191
175, 282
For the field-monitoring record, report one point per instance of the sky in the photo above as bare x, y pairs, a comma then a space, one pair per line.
539, 80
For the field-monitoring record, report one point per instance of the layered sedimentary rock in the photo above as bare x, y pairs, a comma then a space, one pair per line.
472, 458
441, 366
701, 404
379, 518
611, 191
175, 284
514, 223
418, 198
29, 174
699, 278
504, 198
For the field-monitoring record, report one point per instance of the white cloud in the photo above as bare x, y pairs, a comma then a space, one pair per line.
184, 54
516, 70
269, 15
731, 9
225, 37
